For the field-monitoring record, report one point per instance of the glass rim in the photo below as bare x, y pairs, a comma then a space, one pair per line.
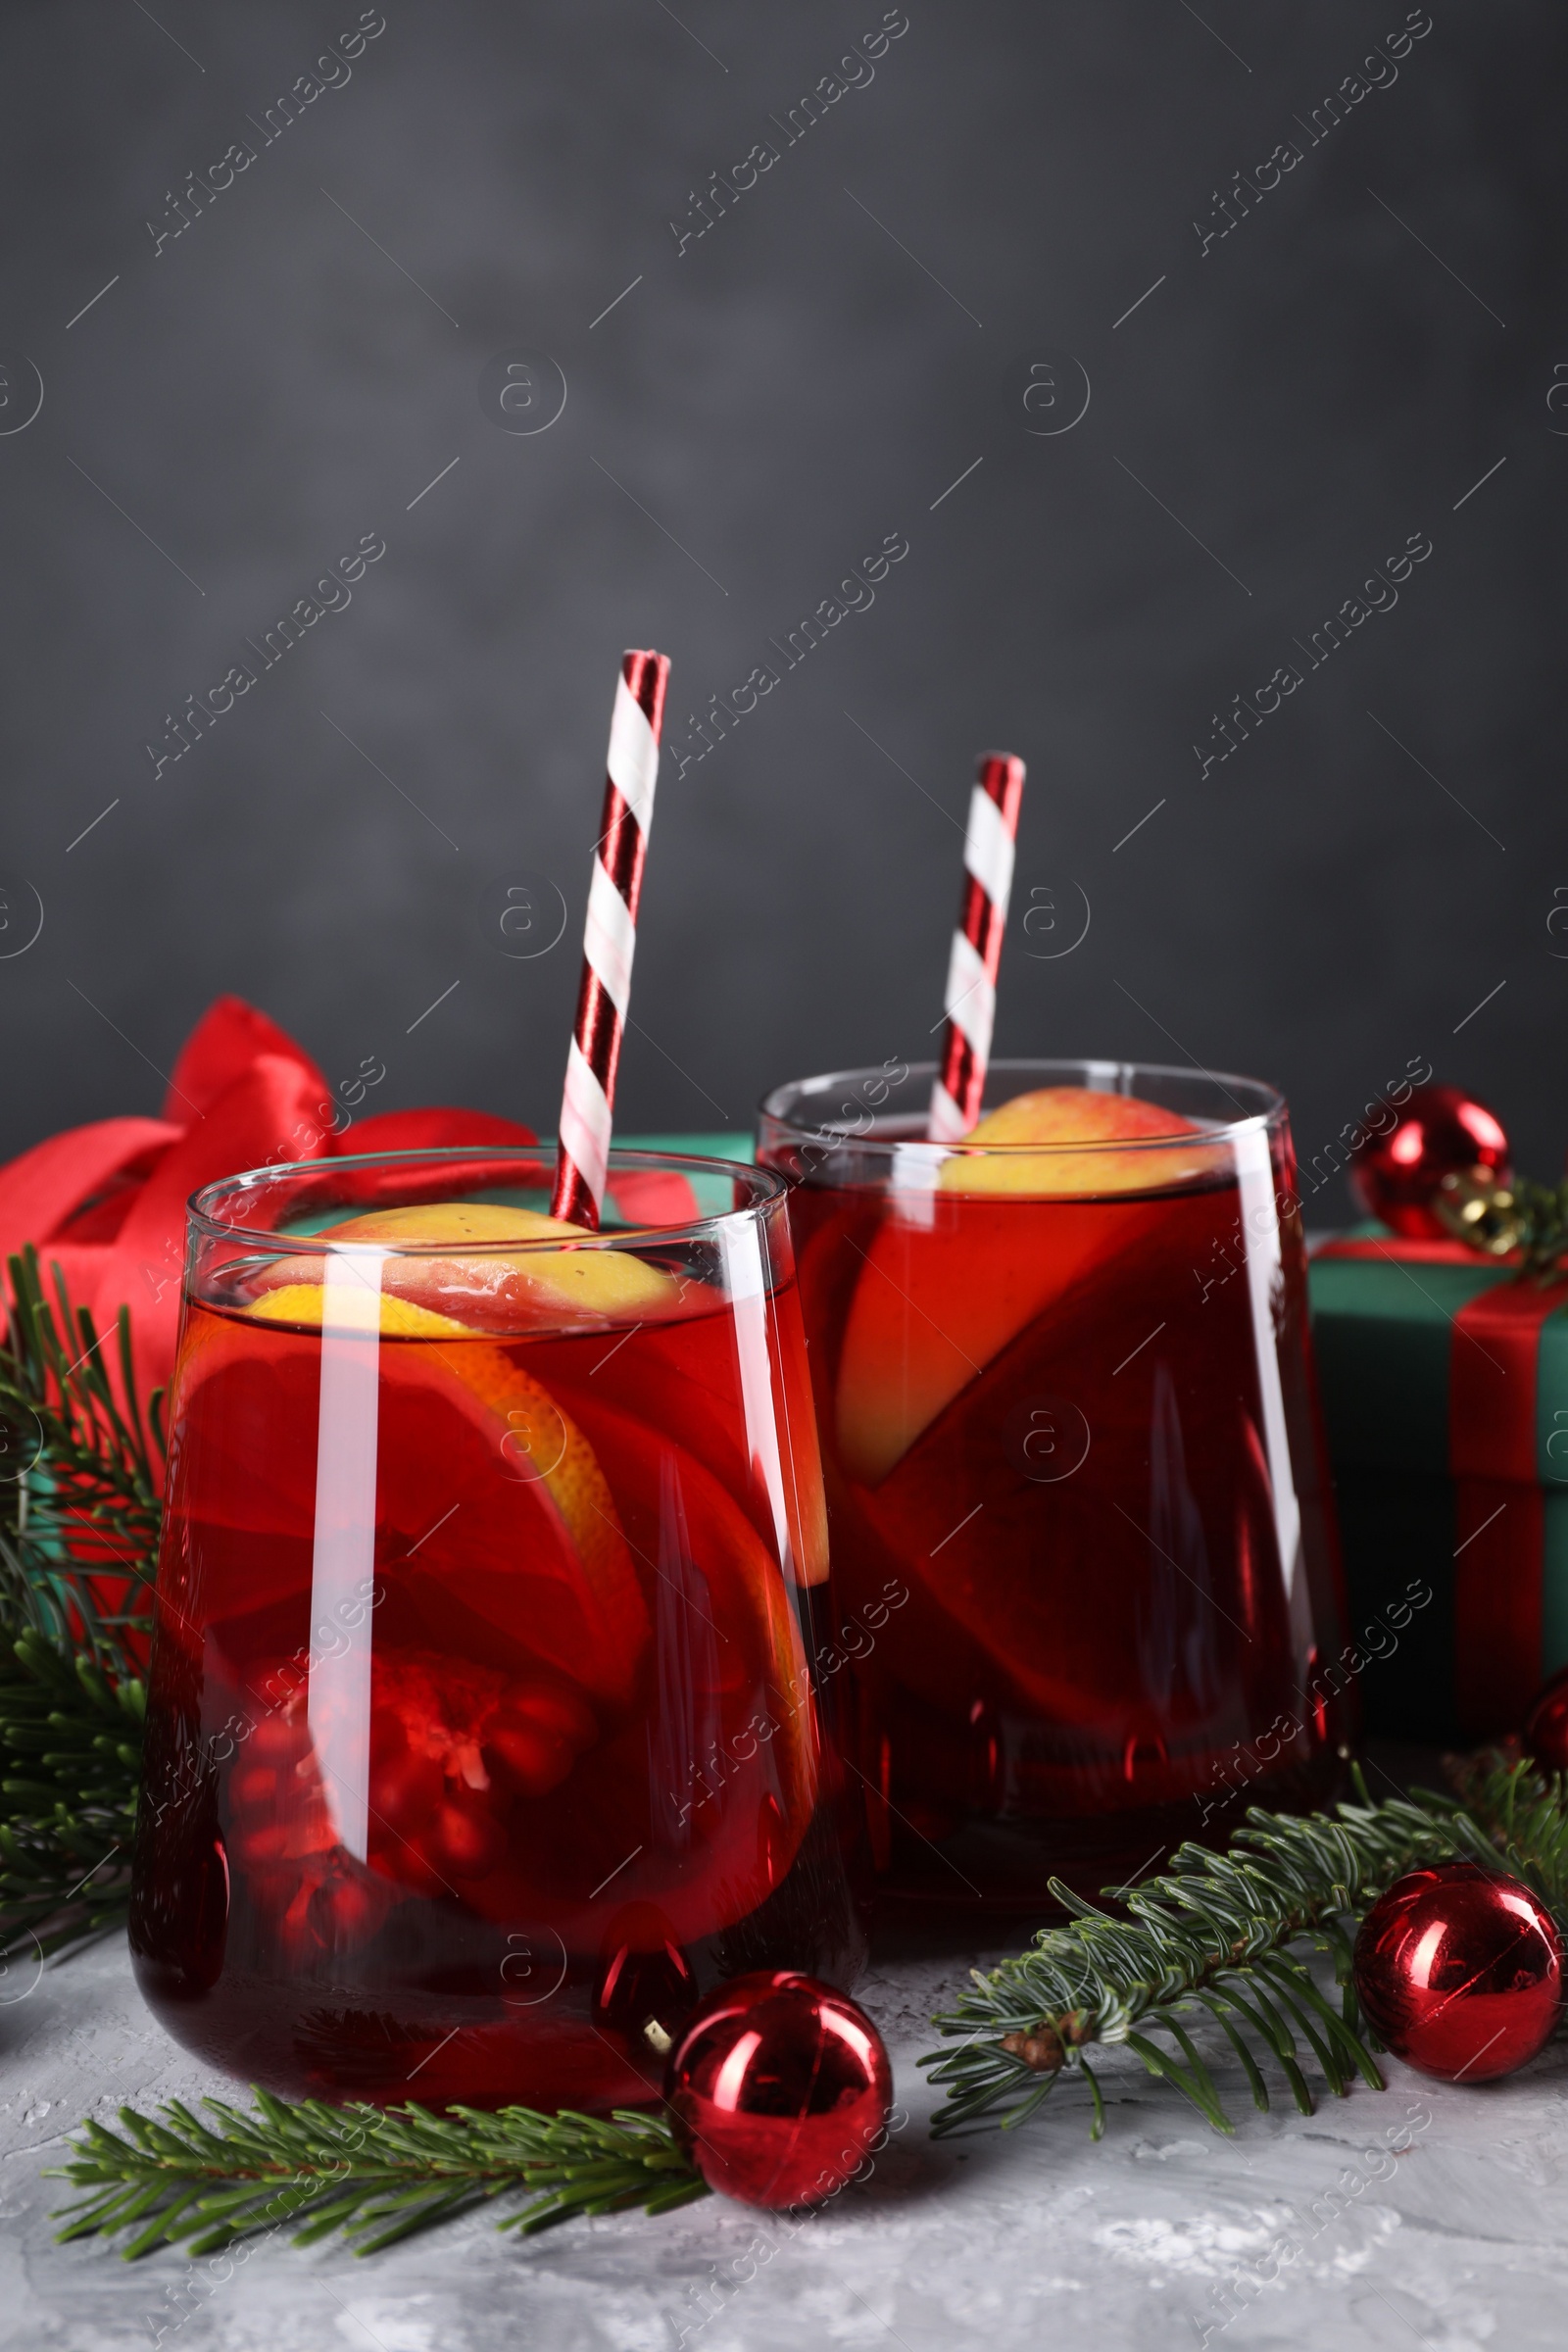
766, 1186
1271, 1109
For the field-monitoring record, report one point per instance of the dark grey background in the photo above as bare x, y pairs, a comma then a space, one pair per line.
1321, 910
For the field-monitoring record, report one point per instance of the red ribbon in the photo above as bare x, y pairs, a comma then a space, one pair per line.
1499, 1522
106, 1201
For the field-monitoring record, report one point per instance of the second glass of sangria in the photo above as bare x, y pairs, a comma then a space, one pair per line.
1075, 1479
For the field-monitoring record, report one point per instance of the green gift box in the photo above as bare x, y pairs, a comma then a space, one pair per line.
1444, 1385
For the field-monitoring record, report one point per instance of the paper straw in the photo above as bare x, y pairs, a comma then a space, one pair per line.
609, 938
971, 995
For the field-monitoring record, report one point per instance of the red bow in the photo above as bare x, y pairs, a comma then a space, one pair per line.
106, 1201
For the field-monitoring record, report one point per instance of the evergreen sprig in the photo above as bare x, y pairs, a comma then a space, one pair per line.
97, 1504
79, 1518
72, 1753
1225, 1935
372, 2174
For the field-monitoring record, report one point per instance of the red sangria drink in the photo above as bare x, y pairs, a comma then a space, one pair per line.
484, 1733
1075, 1484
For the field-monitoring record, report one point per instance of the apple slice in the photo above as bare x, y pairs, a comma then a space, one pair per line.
941, 1295
1060, 1115
488, 1291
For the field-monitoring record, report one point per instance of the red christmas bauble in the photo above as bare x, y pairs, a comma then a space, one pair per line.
1440, 1132
1460, 1972
780, 2087
1546, 1727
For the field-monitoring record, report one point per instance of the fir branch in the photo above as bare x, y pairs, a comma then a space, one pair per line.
1213, 1934
95, 1504
79, 1517
71, 1753
374, 2175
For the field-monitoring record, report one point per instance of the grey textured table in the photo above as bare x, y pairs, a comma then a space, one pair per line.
1427, 2216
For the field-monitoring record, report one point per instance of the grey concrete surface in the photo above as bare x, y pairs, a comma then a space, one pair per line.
1424, 2216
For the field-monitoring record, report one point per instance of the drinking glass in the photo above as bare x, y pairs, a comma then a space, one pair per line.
1075, 1479
484, 1727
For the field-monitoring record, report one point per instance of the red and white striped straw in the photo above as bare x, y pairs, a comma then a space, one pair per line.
971, 996
609, 938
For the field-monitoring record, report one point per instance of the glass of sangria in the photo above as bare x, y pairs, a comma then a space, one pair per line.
483, 1730
1076, 1486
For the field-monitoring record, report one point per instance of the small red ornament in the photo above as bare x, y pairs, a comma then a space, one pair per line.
1545, 1729
1460, 1972
780, 2087
1439, 1132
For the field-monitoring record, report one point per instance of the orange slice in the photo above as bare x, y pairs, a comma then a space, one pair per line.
941, 1295
748, 1602
491, 1504
299, 1302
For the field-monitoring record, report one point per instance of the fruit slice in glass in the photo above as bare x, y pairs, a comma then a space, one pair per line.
1063, 1380
476, 1677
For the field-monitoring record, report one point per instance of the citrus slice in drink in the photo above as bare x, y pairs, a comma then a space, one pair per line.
530, 1545
707, 1403
705, 1557
562, 1276
699, 1799
507, 1785
494, 1520
952, 1276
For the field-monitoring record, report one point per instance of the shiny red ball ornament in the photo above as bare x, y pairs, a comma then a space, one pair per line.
780, 2087
1546, 1727
1439, 1132
1460, 1972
